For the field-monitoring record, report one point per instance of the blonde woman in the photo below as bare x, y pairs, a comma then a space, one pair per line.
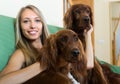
31, 31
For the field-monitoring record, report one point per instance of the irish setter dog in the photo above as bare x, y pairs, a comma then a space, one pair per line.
61, 53
78, 18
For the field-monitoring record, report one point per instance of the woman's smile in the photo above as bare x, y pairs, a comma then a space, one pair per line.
33, 32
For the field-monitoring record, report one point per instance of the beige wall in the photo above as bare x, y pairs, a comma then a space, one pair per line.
102, 30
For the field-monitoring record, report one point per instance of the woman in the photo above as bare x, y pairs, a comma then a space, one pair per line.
31, 31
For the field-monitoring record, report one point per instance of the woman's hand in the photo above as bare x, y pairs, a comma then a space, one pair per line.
88, 32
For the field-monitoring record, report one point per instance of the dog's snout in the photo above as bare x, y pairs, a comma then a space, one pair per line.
75, 52
86, 19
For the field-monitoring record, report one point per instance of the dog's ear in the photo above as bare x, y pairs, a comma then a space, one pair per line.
82, 59
51, 47
68, 19
91, 16
79, 69
82, 63
48, 53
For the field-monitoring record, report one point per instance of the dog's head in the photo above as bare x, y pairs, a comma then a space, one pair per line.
78, 16
61, 48
69, 46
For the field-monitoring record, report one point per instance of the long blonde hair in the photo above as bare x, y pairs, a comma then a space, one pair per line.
22, 43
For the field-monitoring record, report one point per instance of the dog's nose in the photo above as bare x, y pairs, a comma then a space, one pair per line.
86, 19
75, 52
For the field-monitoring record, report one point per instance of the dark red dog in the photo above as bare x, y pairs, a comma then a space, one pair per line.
78, 18
61, 52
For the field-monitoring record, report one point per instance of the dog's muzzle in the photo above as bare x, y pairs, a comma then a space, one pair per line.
75, 52
86, 19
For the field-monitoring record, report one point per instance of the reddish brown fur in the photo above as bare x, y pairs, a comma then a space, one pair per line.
75, 19
59, 53
78, 18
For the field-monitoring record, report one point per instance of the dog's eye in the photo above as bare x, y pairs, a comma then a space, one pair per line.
76, 39
87, 11
77, 12
64, 39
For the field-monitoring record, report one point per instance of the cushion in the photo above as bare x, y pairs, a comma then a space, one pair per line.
53, 29
7, 40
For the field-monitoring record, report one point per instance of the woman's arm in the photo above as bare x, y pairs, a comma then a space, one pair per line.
89, 49
13, 74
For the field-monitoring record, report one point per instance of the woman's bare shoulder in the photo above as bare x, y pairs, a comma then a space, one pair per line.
17, 55
15, 62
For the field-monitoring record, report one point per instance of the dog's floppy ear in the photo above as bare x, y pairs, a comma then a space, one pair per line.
68, 18
51, 47
82, 64
79, 69
91, 16
48, 53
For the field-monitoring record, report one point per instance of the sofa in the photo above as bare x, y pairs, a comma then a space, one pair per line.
7, 40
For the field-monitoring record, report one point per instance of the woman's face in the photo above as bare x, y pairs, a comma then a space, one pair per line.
31, 24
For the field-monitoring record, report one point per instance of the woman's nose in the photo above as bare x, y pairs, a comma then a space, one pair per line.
33, 24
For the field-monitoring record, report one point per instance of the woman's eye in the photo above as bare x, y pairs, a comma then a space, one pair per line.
25, 21
37, 20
